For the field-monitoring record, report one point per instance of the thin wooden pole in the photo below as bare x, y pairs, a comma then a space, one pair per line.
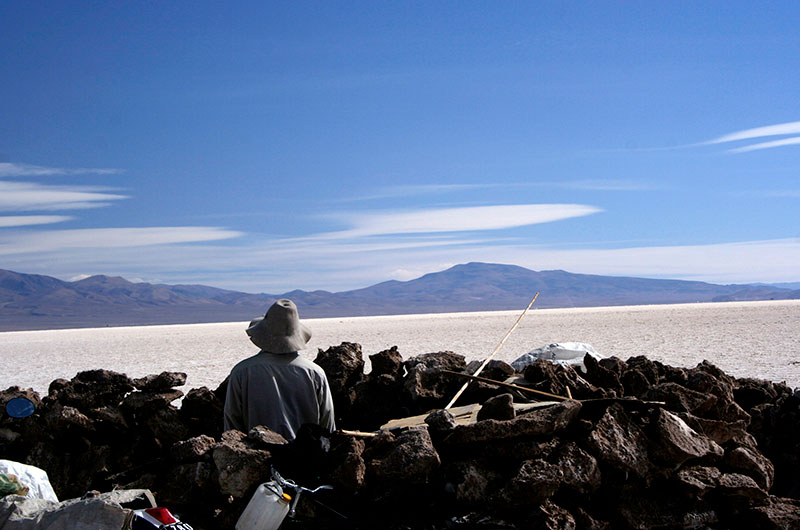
497, 349
508, 385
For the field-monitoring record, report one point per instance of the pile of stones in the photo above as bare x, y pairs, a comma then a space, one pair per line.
640, 445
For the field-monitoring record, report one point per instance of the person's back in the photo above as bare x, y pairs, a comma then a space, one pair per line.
277, 388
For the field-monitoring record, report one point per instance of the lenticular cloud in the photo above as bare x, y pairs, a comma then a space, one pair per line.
782, 129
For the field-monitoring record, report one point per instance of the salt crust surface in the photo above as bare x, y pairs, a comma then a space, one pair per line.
746, 339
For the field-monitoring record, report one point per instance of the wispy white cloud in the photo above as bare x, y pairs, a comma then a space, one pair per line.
27, 196
579, 184
9, 169
759, 132
767, 145
52, 241
607, 185
254, 264
782, 129
465, 219
8, 221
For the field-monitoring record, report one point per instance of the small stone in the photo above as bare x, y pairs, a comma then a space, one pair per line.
192, 449
160, 382
440, 421
498, 408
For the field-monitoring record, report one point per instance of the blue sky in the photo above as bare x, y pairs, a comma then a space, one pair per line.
266, 146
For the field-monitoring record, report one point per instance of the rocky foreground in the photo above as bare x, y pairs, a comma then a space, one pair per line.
640, 445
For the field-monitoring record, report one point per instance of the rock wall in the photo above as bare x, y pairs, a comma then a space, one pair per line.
641, 445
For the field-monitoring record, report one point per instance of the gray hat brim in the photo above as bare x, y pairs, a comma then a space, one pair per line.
269, 342
280, 330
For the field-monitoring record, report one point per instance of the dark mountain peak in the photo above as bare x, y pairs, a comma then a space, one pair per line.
19, 283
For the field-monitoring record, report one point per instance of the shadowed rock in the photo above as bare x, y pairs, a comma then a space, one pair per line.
674, 442
240, 469
498, 408
192, 449
408, 458
538, 422
750, 462
161, 382
618, 442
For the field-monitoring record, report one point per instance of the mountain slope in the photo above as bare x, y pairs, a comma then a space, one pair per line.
29, 301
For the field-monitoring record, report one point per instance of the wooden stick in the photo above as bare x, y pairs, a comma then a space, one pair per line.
506, 385
358, 433
486, 361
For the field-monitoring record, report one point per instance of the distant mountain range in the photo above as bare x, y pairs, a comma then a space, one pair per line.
31, 301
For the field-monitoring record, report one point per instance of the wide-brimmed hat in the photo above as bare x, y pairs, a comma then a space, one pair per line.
280, 330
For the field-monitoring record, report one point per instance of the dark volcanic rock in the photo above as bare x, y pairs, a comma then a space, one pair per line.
498, 408
265, 438
618, 442
538, 422
777, 514
149, 401
674, 442
161, 382
681, 399
440, 421
193, 448
425, 386
750, 462
344, 367
605, 375
388, 362
91, 389
201, 411
406, 459
349, 470
240, 468
708, 458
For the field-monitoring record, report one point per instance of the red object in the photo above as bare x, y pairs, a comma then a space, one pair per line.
162, 514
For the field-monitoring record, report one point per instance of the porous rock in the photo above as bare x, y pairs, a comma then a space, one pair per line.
344, 367
265, 438
741, 488
239, 467
473, 481
618, 442
497, 408
425, 385
538, 422
750, 462
387, 362
675, 442
201, 411
534, 482
681, 399
440, 420
349, 468
91, 389
777, 514
697, 481
160, 382
410, 458
149, 401
192, 449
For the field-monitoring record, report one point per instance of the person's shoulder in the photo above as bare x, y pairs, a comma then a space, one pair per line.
244, 363
308, 365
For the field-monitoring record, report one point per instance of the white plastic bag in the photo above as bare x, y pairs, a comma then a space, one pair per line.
564, 353
35, 479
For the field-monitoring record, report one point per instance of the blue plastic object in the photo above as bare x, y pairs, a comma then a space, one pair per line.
19, 407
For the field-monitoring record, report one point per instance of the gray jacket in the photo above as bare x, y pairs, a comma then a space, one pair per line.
281, 392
